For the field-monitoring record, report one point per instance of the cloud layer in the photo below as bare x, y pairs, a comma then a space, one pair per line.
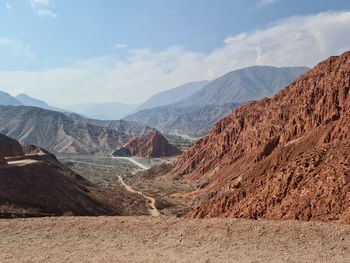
296, 41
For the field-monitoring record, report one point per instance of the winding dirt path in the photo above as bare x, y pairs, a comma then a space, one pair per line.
151, 202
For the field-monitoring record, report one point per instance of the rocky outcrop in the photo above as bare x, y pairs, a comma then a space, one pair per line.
152, 145
9, 147
279, 158
36, 184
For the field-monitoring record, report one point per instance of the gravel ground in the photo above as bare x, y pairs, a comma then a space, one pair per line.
166, 239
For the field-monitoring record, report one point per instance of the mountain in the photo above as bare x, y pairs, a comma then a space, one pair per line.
173, 95
286, 157
36, 184
152, 145
103, 111
7, 99
195, 114
194, 121
30, 101
56, 132
128, 127
245, 84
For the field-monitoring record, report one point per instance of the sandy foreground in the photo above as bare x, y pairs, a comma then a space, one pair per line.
165, 239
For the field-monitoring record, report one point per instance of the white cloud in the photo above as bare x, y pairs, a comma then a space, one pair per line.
42, 3
15, 54
8, 6
296, 41
120, 45
46, 12
44, 7
262, 3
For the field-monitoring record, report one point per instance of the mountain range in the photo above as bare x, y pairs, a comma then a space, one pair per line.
59, 133
7, 99
195, 114
26, 100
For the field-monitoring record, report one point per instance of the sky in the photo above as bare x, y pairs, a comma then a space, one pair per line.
70, 52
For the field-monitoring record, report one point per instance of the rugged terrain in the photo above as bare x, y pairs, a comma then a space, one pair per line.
153, 145
194, 121
164, 239
127, 127
196, 114
56, 132
34, 183
279, 158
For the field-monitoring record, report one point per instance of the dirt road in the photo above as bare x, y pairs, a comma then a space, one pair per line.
163, 239
151, 202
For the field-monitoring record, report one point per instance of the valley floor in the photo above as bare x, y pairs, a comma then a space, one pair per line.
169, 239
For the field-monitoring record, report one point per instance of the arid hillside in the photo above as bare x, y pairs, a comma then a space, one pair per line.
58, 133
279, 158
153, 145
34, 183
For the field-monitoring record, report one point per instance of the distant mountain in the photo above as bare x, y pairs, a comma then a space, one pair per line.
30, 101
153, 145
128, 127
194, 121
103, 111
245, 84
7, 99
173, 95
58, 133
196, 114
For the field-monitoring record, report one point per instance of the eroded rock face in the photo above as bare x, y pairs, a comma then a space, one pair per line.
10, 147
152, 145
280, 158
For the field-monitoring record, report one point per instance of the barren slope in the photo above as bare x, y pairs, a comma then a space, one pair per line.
280, 158
56, 132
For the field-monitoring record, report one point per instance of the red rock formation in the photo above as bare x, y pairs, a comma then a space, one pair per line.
280, 158
151, 145
10, 147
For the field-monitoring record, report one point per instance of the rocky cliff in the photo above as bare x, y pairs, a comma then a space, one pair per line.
279, 158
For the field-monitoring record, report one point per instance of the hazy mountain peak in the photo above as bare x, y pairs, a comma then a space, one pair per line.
7, 99
173, 95
246, 84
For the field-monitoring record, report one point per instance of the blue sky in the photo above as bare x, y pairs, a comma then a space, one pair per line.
92, 50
